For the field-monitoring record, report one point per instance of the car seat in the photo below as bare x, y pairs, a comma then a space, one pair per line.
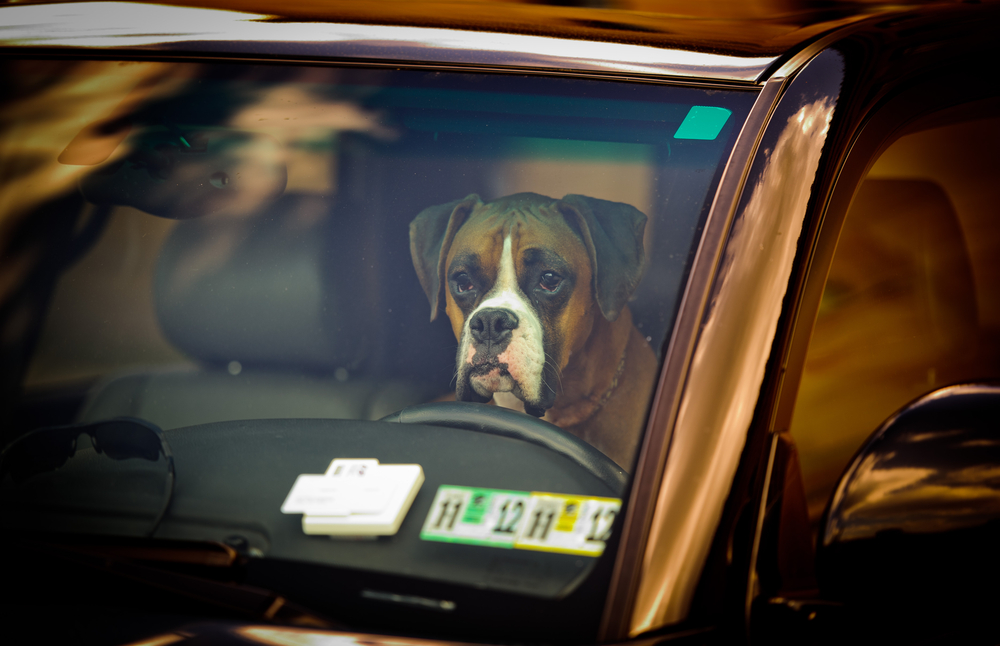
898, 318
282, 316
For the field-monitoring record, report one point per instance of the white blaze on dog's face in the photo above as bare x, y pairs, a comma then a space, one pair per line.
518, 294
503, 321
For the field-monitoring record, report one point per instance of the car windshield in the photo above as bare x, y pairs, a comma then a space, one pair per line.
218, 278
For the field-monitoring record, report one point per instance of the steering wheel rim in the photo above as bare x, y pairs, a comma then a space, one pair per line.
496, 420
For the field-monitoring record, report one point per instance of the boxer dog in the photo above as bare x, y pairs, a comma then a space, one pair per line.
536, 290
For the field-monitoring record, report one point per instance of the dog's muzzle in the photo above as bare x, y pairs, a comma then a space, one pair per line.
483, 370
492, 359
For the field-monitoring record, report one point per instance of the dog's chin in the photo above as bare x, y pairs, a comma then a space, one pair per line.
495, 380
479, 384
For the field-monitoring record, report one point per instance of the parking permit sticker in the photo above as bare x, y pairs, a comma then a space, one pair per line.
475, 516
521, 520
570, 524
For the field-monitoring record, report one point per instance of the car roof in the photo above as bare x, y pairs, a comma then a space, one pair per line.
726, 40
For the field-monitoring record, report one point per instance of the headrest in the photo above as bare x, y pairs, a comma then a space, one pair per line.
259, 290
903, 243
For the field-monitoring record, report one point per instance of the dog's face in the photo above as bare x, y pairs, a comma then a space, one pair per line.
519, 300
522, 279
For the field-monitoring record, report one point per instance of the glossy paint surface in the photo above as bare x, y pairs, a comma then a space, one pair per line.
728, 365
121, 25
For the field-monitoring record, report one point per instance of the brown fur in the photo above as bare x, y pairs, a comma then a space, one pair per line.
588, 375
606, 368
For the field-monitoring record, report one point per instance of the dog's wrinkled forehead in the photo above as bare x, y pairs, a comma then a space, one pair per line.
521, 206
487, 225
610, 232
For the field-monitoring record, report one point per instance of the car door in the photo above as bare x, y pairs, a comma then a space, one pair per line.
900, 296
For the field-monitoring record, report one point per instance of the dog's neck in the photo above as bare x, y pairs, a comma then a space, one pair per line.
592, 373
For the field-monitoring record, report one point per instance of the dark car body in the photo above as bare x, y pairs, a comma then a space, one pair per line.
838, 266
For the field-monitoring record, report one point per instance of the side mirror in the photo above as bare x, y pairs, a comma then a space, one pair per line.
186, 173
911, 539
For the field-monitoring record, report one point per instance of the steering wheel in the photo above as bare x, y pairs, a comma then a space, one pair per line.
497, 420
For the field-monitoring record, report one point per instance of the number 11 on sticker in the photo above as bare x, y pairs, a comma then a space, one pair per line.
447, 511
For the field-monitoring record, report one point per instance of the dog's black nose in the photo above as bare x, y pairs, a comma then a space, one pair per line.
492, 325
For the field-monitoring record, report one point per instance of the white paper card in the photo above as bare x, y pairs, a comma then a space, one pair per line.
320, 494
355, 497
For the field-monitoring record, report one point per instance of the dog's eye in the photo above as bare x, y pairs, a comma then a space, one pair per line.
550, 281
463, 283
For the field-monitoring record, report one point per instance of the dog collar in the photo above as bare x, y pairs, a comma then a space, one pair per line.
596, 404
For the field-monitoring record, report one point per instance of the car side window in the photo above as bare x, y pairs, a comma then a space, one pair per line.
912, 300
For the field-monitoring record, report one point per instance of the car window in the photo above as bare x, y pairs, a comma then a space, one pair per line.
257, 263
910, 304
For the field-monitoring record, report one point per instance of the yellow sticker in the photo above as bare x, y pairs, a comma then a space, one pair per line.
567, 524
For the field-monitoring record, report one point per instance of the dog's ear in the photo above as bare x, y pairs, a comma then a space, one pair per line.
612, 233
431, 233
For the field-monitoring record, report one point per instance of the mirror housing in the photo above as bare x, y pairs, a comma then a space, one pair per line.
912, 534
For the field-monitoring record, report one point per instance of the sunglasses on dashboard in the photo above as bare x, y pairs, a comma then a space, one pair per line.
47, 449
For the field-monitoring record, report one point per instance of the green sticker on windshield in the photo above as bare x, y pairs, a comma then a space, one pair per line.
703, 122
